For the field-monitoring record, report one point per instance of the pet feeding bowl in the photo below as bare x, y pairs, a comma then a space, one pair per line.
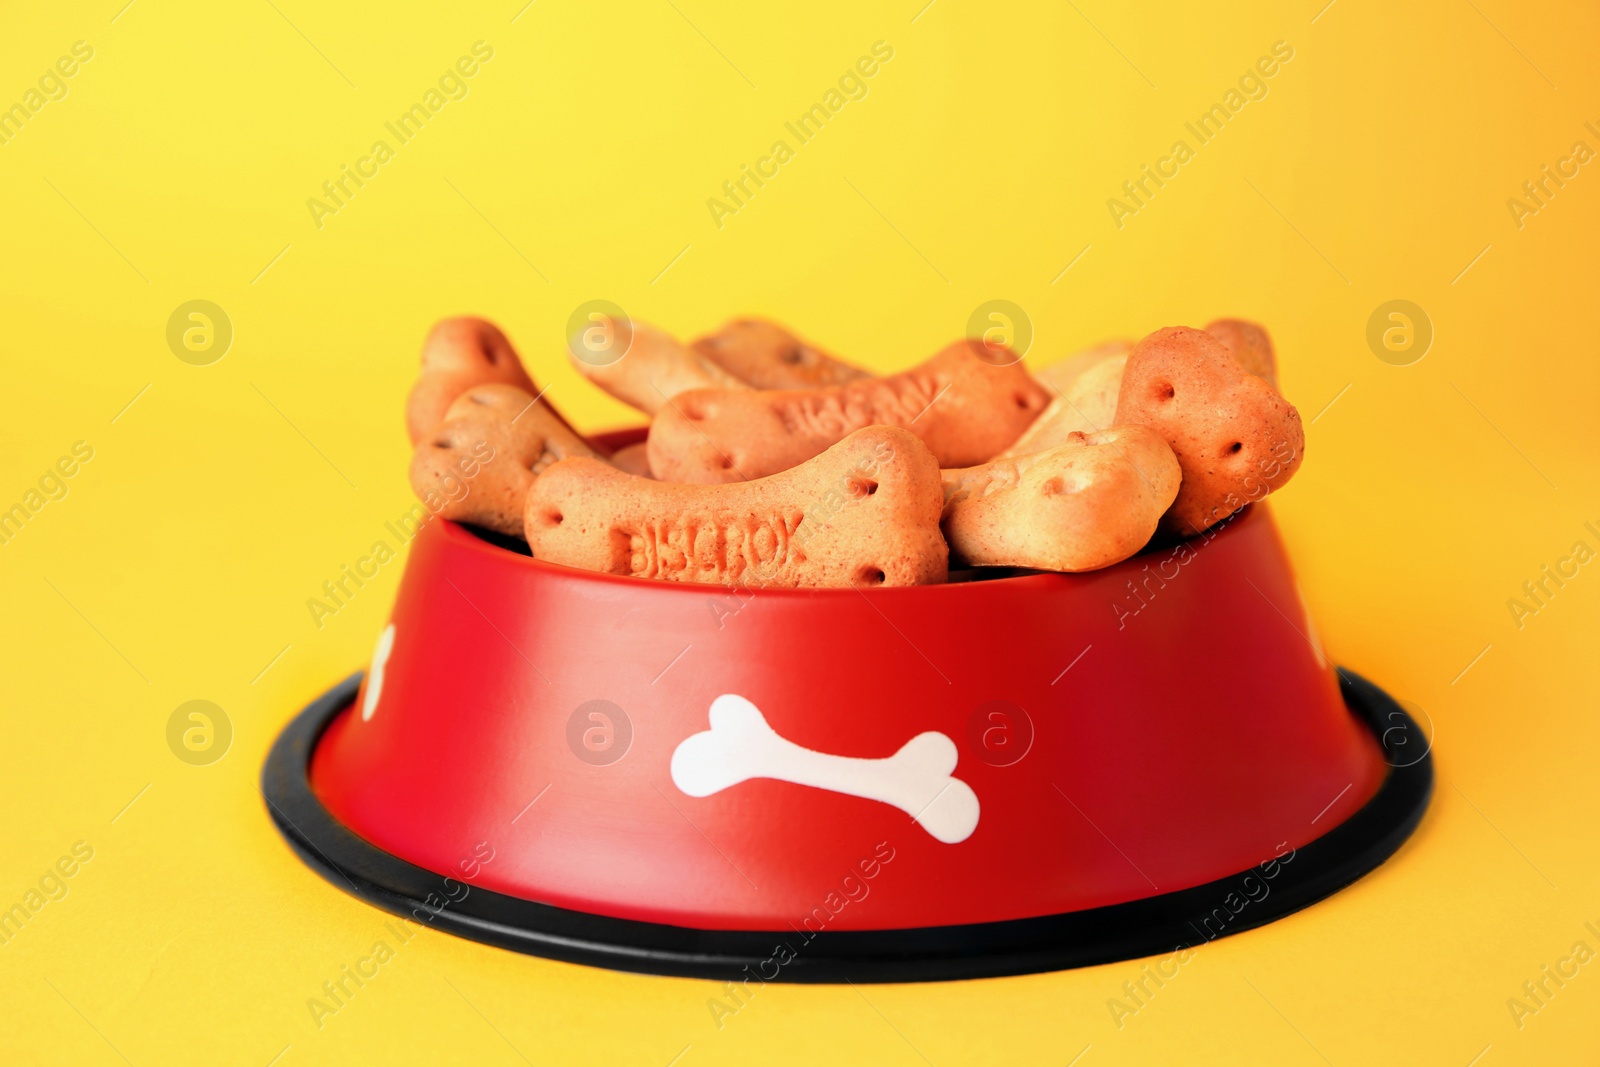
982, 778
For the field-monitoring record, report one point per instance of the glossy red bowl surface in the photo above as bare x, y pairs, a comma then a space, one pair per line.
1154, 726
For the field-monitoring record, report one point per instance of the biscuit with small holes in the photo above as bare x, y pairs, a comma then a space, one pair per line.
764, 355
864, 513
1085, 397
459, 354
1236, 438
494, 442
1091, 501
968, 403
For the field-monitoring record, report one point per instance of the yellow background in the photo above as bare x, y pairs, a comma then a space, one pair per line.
578, 167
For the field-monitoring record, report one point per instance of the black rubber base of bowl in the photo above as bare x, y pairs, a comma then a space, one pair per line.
1151, 926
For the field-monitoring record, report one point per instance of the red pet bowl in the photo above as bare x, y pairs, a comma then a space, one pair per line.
981, 778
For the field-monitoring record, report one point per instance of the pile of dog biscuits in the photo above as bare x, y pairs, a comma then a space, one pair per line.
770, 462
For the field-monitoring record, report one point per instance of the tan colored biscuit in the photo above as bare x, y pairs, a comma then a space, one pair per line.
458, 354
1250, 345
493, 443
1088, 503
1088, 383
1086, 400
864, 513
633, 459
653, 368
1060, 375
1236, 438
967, 404
764, 355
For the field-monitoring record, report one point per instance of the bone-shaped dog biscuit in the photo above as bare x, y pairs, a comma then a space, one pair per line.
865, 512
1060, 375
1236, 438
764, 355
967, 403
654, 366
1086, 397
742, 745
1090, 502
494, 441
458, 354
1087, 384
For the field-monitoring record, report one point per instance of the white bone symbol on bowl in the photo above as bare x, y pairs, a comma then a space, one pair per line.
380, 665
741, 745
